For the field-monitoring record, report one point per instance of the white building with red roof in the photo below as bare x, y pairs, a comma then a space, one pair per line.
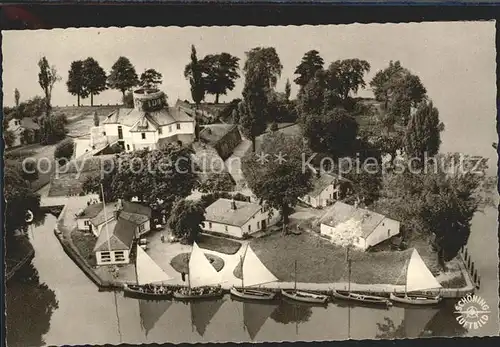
149, 124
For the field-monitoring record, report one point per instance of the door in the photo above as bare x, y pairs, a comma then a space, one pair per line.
120, 133
264, 224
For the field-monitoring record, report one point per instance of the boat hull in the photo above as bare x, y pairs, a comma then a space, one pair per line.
252, 294
305, 297
366, 299
136, 292
213, 295
415, 300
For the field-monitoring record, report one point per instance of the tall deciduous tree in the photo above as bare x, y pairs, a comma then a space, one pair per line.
47, 77
94, 78
218, 182
264, 64
423, 133
220, 72
186, 218
17, 96
348, 75
310, 63
333, 132
76, 81
151, 78
122, 76
277, 175
288, 89
194, 73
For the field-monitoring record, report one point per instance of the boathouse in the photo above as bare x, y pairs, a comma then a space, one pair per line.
237, 218
114, 244
347, 225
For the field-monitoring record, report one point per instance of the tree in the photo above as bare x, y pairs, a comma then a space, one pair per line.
333, 132
47, 77
151, 79
8, 137
217, 182
128, 100
52, 129
19, 199
423, 132
311, 63
220, 72
226, 114
64, 151
194, 73
348, 76
76, 81
278, 183
122, 76
288, 89
33, 108
263, 63
157, 178
407, 92
185, 219
17, 96
94, 78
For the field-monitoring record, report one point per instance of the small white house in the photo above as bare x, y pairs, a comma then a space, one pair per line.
114, 245
327, 189
347, 225
237, 218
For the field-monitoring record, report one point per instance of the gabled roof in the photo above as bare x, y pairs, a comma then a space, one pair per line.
221, 212
321, 183
130, 116
340, 213
146, 123
121, 236
28, 123
130, 211
213, 133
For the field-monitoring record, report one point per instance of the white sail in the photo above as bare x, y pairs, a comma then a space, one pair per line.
418, 275
147, 269
201, 272
254, 272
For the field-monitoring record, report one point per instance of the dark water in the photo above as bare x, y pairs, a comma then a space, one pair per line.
52, 302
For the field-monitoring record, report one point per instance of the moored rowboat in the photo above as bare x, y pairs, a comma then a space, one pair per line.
252, 294
367, 299
415, 299
302, 296
138, 291
195, 295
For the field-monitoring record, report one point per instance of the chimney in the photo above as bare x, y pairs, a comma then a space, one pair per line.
233, 205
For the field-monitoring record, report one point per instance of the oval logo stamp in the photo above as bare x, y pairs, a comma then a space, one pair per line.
472, 311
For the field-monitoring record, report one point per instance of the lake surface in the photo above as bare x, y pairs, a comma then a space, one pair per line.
53, 303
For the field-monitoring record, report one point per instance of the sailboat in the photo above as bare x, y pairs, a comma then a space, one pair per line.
418, 278
366, 299
303, 296
150, 278
254, 273
202, 278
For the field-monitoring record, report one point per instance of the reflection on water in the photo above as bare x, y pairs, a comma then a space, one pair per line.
39, 306
32, 303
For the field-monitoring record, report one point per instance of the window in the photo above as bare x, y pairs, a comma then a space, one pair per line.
203, 225
225, 228
388, 232
128, 147
105, 257
86, 222
169, 128
160, 131
104, 133
119, 256
210, 225
142, 227
258, 225
120, 132
143, 136
249, 228
178, 126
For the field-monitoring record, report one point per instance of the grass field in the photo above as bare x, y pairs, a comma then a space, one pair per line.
218, 244
84, 243
180, 262
319, 261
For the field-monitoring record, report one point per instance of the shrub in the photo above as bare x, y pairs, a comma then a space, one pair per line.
64, 150
274, 127
52, 129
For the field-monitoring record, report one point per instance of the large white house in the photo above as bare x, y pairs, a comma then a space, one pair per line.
149, 124
347, 225
237, 218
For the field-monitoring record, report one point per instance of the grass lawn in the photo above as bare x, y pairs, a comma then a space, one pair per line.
319, 261
218, 244
84, 243
180, 262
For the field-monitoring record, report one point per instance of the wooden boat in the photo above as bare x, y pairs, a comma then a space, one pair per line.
418, 278
142, 292
149, 276
253, 272
366, 299
303, 296
202, 278
252, 294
